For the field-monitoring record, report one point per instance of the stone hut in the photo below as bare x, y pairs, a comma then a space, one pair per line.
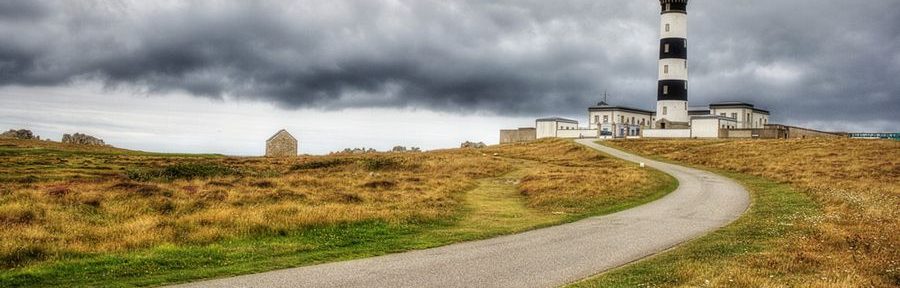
282, 144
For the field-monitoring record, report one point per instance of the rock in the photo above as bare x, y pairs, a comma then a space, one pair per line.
82, 139
357, 151
468, 144
21, 134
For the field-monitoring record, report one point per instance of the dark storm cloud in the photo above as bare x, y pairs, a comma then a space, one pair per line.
807, 60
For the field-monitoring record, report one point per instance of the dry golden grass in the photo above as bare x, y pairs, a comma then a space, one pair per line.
57, 202
573, 178
855, 241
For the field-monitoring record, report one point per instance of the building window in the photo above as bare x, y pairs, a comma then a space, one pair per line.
665, 89
734, 115
605, 118
666, 48
722, 114
665, 110
596, 118
666, 69
621, 119
667, 27
632, 121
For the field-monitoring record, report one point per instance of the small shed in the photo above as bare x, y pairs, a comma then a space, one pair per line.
282, 144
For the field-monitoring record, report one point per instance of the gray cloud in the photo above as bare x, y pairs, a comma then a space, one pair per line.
806, 60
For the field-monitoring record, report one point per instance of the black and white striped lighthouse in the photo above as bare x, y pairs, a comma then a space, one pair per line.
672, 94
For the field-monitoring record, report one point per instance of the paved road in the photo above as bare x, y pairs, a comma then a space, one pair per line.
546, 257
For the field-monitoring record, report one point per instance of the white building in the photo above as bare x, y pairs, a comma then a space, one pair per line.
608, 121
619, 121
708, 126
746, 115
562, 128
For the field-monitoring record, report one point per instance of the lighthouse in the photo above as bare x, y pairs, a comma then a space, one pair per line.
672, 90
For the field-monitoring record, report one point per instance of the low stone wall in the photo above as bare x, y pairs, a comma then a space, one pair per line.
666, 133
578, 133
797, 132
736, 133
518, 135
774, 131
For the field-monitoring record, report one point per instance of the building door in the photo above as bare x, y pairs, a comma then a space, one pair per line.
662, 125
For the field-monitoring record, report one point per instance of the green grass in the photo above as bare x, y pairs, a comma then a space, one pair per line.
769, 220
493, 208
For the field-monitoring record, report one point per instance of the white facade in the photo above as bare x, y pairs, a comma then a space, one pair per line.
550, 127
672, 106
619, 121
708, 126
673, 25
673, 69
745, 115
674, 111
619, 117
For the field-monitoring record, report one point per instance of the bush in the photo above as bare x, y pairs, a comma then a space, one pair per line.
22, 255
380, 184
142, 189
17, 214
320, 164
182, 171
377, 164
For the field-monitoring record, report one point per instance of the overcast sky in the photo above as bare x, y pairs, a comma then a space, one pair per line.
222, 76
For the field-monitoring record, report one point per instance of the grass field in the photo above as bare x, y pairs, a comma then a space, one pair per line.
825, 214
78, 216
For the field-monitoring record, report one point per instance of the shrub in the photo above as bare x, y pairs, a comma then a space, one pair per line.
380, 163
182, 171
29, 179
142, 189
22, 255
263, 184
320, 164
58, 191
380, 184
346, 198
17, 214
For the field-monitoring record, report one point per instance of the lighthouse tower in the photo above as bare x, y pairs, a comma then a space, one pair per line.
672, 92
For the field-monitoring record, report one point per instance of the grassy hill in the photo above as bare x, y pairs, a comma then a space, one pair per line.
101, 216
826, 213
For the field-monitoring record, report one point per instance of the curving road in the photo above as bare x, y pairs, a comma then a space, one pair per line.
546, 257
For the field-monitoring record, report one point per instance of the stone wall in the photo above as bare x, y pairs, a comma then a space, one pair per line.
666, 133
518, 135
797, 132
775, 131
281, 146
